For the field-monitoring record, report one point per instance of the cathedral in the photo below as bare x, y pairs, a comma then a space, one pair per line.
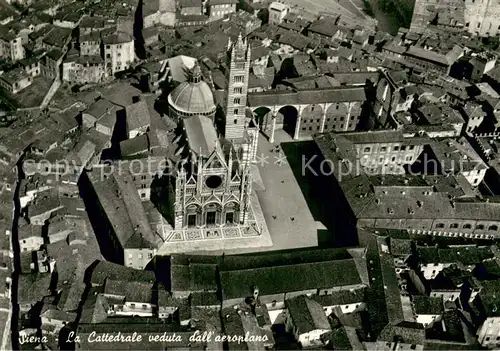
211, 185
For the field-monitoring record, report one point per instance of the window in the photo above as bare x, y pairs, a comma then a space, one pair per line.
367, 149
144, 306
454, 225
235, 121
238, 90
238, 79
140, 255
440, 225
411, 147
403, 147
143, 195
229, 217
467, 226
383, 149
493, 228
236, 111
236, 101
132, 305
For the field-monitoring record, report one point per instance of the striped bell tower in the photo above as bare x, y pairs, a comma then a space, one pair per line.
239, 55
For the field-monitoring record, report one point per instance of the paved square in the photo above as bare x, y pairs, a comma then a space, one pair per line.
288, 217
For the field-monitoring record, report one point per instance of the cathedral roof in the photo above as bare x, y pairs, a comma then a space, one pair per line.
201, 135
193, 96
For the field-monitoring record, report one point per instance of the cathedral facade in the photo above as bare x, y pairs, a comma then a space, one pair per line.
211, 185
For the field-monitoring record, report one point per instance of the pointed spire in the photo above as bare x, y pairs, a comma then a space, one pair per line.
240, 38
229, 44
230, 159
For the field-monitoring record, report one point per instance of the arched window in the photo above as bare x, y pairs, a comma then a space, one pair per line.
493, 228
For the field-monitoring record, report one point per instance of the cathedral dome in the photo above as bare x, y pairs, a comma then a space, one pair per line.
193, 96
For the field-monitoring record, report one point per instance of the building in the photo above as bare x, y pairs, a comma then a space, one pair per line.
127, 234
83, 69
217, 173
428, 310
277, 281
129, 298
218, 9
90, 44
238, 61
168, 9
481, 64
476, 17
460, 157
16, 80
487, 302
474, 115
30, 238
432, 60
277, 13
270, 278
145, 172
307, 321
53, 320
119, 52
11, 45
406, 202
53, 63
102, 116
217, 183
190, 7
191, 98
302, 113
394, 93
383, 151
137, 118
32, 66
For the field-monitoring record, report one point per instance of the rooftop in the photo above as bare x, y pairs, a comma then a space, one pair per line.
123, 207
